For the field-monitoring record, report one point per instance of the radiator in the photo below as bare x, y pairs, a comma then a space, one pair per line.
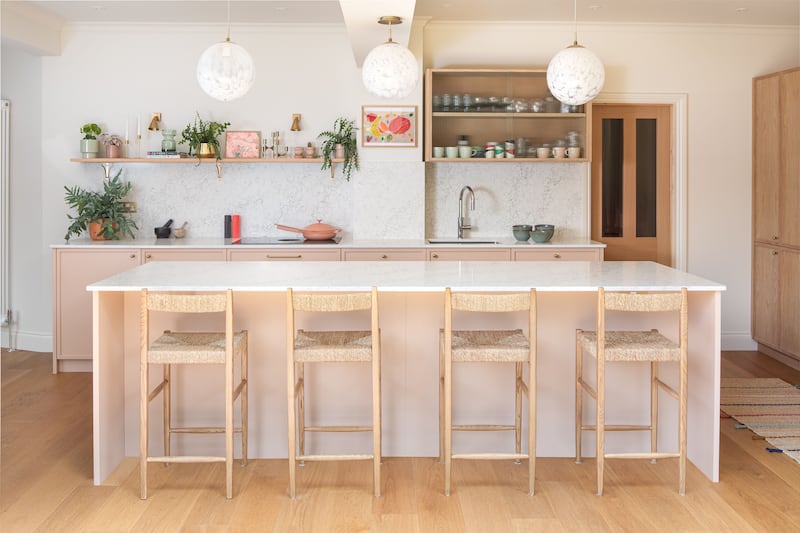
5, 217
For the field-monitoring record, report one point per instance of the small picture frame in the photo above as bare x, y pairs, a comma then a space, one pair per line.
242, 145
389, 126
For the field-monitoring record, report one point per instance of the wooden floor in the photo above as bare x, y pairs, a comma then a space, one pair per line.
47, 467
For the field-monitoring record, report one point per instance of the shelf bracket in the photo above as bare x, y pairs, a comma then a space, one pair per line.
106, 170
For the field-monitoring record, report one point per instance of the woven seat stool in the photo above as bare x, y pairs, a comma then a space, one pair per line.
631, 347
191, 348
307, 347
488, 346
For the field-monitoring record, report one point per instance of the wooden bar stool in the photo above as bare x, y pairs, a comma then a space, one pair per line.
178, 347
304, 346
633, 346
488, 346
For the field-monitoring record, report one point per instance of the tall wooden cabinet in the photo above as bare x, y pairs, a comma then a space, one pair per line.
776, 218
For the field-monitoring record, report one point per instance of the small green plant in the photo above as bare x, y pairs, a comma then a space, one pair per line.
113, 140
90, 131
343, 133
107, 207
201, 131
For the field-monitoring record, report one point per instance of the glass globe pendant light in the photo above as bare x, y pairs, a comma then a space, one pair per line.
575, 75
390, 70
225, 70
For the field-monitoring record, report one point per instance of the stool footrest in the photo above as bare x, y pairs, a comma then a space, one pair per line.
490, 456
186, 459
642, 455
483, 427
202, 430
332, 457
619, 428
337, 428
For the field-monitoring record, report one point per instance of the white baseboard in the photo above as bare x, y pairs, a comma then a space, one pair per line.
34, 342
739, 342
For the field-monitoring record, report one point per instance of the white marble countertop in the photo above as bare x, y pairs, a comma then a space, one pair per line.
404, 276
346, 242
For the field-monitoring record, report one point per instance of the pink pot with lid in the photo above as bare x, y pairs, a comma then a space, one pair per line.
318, 231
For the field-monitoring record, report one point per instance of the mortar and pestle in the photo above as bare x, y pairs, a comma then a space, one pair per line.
163, 232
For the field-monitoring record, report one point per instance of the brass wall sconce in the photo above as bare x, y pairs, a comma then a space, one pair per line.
154, 122
295, 122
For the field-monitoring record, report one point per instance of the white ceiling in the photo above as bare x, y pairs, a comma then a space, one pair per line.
360, 16
760, 12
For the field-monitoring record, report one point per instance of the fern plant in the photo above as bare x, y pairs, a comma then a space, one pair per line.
343, 133
201, 131
107, 206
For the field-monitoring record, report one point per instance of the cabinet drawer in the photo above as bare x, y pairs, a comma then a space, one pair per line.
283, 254
449, 254
559, 254
381, 254
183, 255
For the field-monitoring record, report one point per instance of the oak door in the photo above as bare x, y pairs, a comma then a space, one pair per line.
632, 181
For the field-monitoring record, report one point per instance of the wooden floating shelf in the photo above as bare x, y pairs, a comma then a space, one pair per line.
508, 114
195, 160
506, 160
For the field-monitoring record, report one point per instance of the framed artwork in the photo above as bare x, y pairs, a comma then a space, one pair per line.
243, 144
389, 126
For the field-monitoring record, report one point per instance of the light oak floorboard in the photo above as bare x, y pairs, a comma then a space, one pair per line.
46, 485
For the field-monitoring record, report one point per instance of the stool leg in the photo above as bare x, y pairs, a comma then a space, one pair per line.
448, 422
301, 408
578, 398
532, 421
441, 402
653, 408
517, 409
229, 426
683, 406
601, 421
167, 409
243, 400
292, 433
143, 422
376, 422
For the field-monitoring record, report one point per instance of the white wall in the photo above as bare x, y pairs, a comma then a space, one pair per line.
107, 73
714, 67
29, 265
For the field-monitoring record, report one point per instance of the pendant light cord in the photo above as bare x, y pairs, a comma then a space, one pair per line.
575, 21
228, 35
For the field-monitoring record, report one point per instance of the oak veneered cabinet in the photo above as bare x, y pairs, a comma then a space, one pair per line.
775, 306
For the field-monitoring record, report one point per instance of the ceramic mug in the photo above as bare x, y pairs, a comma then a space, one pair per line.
438, 151
559, 152
451, 152
465, 152
574, 152
543, 153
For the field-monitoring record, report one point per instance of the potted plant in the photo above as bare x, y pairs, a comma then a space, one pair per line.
340, 143
113, 144
89, 144
103, 214
202, 136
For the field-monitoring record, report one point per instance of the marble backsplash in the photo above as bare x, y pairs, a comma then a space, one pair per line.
384, 200
508, 194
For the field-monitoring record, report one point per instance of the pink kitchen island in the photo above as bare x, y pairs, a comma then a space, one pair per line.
411, 304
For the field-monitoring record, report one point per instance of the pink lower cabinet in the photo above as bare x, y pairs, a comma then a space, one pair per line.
473, 254
559, 254
384, 254
284, 254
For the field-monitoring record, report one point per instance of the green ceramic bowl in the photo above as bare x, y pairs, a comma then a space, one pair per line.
540, 235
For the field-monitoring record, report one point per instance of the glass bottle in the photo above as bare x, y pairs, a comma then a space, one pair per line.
168, 143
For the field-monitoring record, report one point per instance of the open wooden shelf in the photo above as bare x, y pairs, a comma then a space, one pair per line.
194, 160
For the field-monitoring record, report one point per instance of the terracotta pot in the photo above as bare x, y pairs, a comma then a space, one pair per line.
308, 152
94, 230
113, 151
313, 232
206, 150
338, 151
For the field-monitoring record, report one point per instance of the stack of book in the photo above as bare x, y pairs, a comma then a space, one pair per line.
170, 154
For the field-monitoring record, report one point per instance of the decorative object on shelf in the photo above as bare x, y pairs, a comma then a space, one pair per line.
201, 133
168, 143
295, 122
113, 144
309, 151
154, 120
575, 75
242, 144
390, 70
394, 126
180, 232
103, 214
89, 144
340, 143
225, 70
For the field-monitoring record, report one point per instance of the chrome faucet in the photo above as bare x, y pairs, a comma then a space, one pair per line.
461, 225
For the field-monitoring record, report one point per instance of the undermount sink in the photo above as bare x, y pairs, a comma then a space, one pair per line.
462, 241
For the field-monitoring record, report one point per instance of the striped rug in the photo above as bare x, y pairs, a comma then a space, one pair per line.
769, 407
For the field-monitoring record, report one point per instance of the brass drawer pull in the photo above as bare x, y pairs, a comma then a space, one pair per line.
557, 256
298, 256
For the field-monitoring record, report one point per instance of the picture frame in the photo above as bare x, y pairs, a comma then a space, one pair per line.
242, 145
389, 126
